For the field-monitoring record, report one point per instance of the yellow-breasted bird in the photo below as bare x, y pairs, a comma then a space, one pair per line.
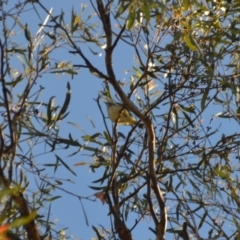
118, 113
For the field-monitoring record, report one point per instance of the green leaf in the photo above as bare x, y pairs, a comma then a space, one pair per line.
188, 119
174, 117
53, 198
178, 211
61, 19
210, 233
121, 9
202, 220
51, 35
127, 208
237, 95
131, 18
51, 165
120, 134
223, 172
97, 188
103, 178
75, 20
224, 115
19, 222
92, 138
178, 185
50, 110
190, 109
65, 165
177, 36
189, 43
68, 142
235, 222
145, 8
17, 50
69, 71
186, 4
91, 121
66, 104
204, 98
108, 138
44, 62
27, 33
14, 83
93, 52
95, 73
99, 237
91, 149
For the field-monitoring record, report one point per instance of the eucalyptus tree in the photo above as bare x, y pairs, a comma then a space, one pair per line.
178, 176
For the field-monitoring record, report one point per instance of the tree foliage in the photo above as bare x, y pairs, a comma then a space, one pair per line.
181, 170
29, 126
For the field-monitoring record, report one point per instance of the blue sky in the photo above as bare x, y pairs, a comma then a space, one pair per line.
67, 211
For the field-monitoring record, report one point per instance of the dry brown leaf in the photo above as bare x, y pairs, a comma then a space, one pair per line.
101, 196
80, 164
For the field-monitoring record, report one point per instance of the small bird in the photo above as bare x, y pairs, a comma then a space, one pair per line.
117, 113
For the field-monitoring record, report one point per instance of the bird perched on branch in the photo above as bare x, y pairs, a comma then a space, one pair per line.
118, 113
